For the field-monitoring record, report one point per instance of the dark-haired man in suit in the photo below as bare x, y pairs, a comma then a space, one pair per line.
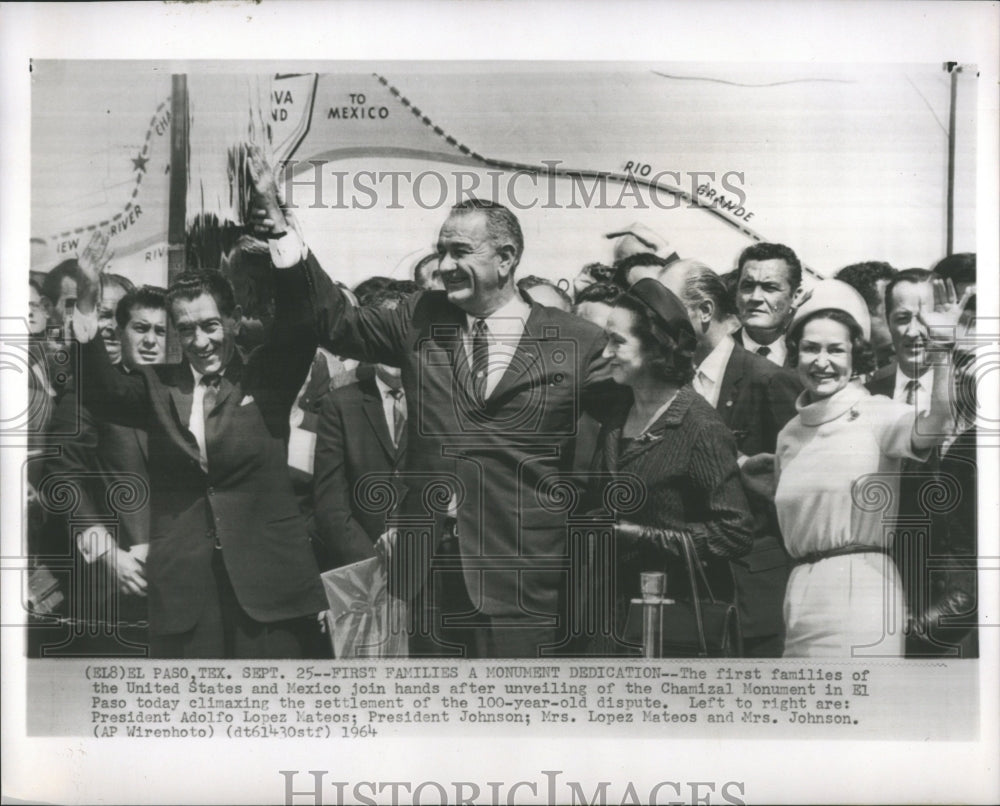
755, 399
767, 291
230, 569
909, 379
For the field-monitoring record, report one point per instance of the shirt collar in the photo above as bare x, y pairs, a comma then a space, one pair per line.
924, 382
713, 366
383, 388
507, 320
777, 347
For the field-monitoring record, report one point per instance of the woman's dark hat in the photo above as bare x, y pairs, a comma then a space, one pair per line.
664, 305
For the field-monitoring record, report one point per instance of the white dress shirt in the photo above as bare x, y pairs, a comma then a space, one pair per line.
505, 326
777, 349
710, 372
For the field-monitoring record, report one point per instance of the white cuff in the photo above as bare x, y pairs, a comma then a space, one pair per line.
94, 542
84, 325
287, 251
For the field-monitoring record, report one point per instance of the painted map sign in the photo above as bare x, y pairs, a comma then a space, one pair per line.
100, 147
843, 164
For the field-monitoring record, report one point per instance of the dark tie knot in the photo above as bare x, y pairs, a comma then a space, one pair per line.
395, 394
763, 351
212, 381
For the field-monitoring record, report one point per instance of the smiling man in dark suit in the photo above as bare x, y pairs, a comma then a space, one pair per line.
230, 570
495, 388
755, 399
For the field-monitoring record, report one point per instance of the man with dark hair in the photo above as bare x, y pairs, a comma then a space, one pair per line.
755, 399
495, 387
870, 279
230, 569
769, 286
909, 379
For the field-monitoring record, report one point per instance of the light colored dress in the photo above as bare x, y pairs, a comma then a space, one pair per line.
837, 465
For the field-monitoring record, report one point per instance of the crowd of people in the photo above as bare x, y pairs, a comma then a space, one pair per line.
788, 430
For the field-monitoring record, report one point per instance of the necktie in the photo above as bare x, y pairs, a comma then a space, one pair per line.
398, 415
763, 351
480, 359
209, 388
911, 391
211, 397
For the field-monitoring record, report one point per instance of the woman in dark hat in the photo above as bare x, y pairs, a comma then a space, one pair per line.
676, 445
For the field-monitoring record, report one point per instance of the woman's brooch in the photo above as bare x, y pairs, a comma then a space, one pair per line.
853, 414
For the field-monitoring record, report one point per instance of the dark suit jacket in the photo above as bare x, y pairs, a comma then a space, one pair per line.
245, 500
353, 449
738, 336
756, 400
501, 458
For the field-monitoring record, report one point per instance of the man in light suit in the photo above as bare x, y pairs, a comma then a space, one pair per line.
495, 388
230, 570
755, 399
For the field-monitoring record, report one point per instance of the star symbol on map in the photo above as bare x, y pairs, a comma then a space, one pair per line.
139, 163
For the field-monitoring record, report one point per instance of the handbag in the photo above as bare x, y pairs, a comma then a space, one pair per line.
704, 627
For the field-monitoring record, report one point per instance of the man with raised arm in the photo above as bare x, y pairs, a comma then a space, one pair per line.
495, 387
230, 570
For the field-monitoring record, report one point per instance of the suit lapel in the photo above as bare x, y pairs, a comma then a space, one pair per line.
181, 392
528, 354
230, 382
371, 404
731, 380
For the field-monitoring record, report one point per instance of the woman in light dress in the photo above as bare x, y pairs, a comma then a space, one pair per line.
836, 467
